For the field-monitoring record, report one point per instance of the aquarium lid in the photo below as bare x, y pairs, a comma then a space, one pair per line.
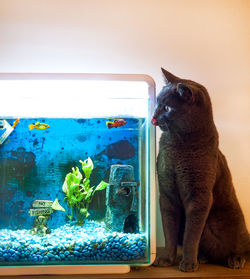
24, 97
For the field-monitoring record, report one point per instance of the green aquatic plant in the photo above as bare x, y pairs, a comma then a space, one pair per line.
79, 193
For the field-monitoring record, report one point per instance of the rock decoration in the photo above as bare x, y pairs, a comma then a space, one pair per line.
122, 200
73, 245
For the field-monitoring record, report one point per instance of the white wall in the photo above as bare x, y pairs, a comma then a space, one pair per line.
204, 40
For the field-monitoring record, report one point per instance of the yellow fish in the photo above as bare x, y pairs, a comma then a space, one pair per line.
38, 126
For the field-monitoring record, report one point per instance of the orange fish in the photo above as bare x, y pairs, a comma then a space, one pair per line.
15, 123
116, 123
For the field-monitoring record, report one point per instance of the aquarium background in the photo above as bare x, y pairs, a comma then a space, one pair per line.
34, 163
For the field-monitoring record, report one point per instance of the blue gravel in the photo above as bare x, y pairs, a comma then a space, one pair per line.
69, 243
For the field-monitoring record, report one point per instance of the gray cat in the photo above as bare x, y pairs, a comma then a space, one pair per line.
198, 203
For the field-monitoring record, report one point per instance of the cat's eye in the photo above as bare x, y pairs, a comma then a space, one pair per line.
167, 108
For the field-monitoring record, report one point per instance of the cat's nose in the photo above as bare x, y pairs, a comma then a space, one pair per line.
154, 121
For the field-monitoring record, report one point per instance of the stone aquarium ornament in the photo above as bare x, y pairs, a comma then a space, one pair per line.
122, 200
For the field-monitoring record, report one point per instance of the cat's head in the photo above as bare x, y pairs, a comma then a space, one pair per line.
181, 104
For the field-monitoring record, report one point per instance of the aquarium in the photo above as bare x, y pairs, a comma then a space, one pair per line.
77, 173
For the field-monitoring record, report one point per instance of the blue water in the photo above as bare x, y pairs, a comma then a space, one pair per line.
33, 166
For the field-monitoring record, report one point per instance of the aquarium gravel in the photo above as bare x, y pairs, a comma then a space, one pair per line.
70, 243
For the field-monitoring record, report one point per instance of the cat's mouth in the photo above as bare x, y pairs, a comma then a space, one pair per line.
154, 121
162, 124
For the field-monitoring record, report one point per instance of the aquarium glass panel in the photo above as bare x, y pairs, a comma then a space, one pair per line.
74, 172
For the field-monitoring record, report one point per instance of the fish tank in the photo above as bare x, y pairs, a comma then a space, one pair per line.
77, 173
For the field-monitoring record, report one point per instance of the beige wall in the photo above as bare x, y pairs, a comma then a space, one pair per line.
204, 40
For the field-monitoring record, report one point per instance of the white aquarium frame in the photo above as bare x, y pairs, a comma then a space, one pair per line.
125, 83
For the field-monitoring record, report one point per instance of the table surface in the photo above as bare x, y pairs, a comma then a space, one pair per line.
205, 271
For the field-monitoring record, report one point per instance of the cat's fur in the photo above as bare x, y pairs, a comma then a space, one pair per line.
198, 203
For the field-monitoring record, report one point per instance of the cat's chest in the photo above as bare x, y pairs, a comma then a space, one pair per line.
174, 155
171, 153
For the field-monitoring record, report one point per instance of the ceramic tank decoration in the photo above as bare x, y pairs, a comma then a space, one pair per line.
77, 173
42, 209
122, 200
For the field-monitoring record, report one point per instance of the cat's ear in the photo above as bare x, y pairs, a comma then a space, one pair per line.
169, 78
185, 93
